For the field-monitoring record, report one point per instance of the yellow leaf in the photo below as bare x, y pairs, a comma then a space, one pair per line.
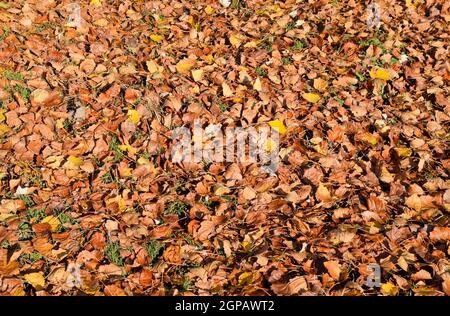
128, 148
278, 126
209, 58
226, 90
2, 115
156, 38
246, 245
235, 40
386, 176
75, 161
412, 4
389, 289
121, 203
369, 138
320, 84
252, 44
197, 74
134, 116
311, 97
270, 145
36, 279
380, 74
195, 89
4, 129
257, 85
185, 65
209, 10
221, 190
403, 152
320, 149
97, 3
60, 123
18, 291
152, 66
143, 161
53, 221
245, 278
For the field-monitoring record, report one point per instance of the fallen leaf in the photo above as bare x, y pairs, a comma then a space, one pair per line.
257, 85
36, 279
389, 289
96, 3
133, 116
311, 97
334, 268
197, 74
156, 38
320, 85
53, 221
226, 90
278, 126
185, 65
322, 194
380, 74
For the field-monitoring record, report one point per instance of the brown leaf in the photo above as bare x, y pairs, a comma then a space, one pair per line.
334, 268
440, 234
114, 290
172, 254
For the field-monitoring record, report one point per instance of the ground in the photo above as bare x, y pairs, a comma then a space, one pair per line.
92, 201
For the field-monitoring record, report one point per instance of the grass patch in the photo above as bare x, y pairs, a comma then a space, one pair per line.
23, 91
29, 257
222, 106
299, 45
5, 34
211, 205
29, 202
65, 218
107, 178
114, 147
153, 249
236, 4
177, 207
112, 253
360, 76
290, 26
25, 232
12, 75
260, 72
287, 60
35, 215
186, 284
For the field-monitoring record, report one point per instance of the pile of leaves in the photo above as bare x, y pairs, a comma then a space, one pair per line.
92, 204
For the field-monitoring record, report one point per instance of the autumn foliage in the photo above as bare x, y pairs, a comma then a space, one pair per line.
92, 204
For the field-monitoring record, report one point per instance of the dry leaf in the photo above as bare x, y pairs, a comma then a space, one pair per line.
36, 279
278, 126
311, 97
